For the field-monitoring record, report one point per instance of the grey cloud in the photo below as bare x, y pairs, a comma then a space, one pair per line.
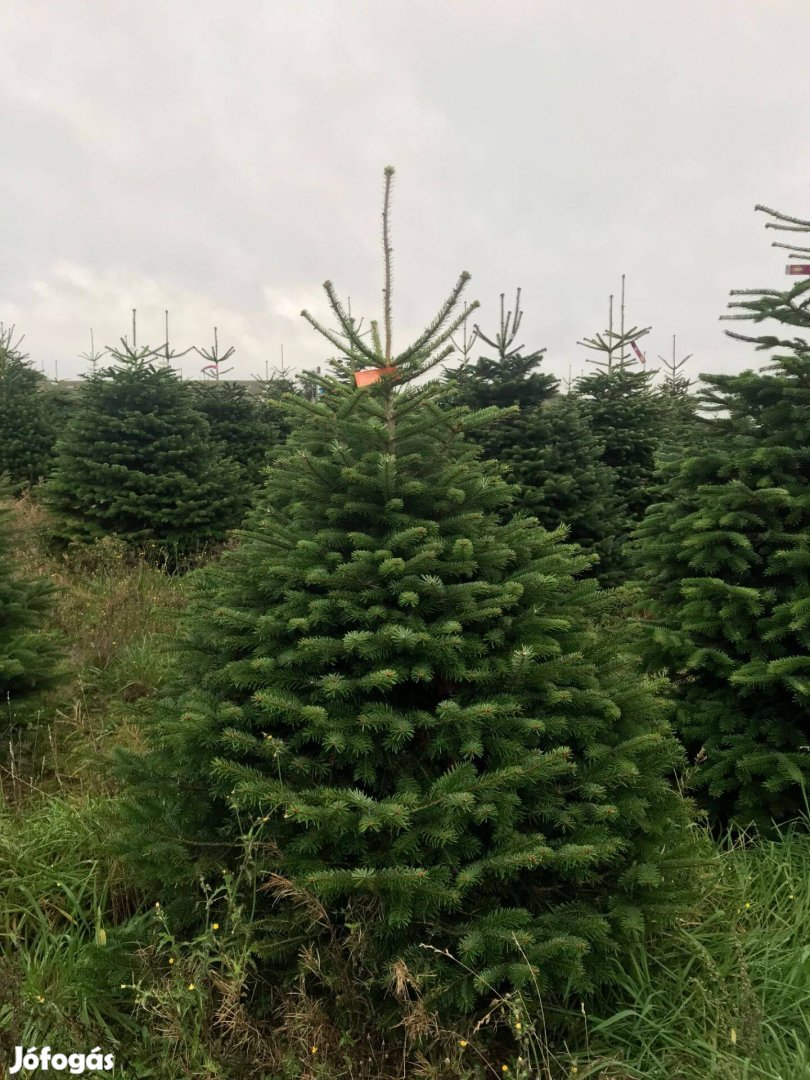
223, 163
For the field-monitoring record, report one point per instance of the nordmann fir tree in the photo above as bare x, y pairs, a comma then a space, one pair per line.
274, 414
27, 416
681, 425
728, 570
136, 460
29, 654
443, 768
509, 380
236, 420
545, 442
625, 416
557, 462
623, 412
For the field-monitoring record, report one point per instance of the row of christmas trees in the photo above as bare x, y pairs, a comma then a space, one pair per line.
134, 434
415, 710
170, 467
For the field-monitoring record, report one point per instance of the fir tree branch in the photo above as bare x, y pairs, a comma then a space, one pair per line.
375, 336
389, 176
347, 322
330, 335
439, 320
803, 226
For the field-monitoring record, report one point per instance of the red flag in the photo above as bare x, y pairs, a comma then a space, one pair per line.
638, 352
798, 268
372, 375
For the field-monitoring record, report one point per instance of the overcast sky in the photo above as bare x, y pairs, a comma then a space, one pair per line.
222, 161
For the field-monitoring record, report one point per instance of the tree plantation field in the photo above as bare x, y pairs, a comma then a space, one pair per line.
423, 718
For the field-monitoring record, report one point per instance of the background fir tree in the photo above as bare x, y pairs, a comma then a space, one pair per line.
624, 414
508, 379
545, 444
276, 417
29, 653
623, 410
27, 416
237, 420
63, 400
137, 460
728, 572
404, 702
556, 460
681, 424
235, 416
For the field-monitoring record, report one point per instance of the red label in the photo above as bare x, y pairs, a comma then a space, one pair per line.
372, 374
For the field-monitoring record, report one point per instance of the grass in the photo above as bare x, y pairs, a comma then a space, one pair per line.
85, 960
727, 995
724, 996
57, 902
110, 609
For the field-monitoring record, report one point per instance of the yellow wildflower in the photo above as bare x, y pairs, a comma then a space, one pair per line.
191, 986
215, 926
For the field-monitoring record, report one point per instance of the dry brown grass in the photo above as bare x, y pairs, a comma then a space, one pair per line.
117, 616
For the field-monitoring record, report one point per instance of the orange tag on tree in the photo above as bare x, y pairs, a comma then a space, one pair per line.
372, 375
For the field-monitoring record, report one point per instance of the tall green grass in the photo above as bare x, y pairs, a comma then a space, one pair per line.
725, 996
60, 949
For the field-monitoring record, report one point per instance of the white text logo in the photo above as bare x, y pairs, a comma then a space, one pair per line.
31, 1059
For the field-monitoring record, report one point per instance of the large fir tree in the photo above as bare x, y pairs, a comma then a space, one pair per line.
27, 416
728, 566
137, 460
406, 702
